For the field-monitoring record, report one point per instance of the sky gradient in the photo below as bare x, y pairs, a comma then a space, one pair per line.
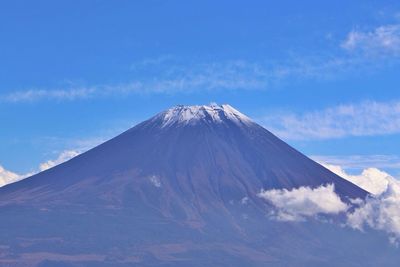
322, 76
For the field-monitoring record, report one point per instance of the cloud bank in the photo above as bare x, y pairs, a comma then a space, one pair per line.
380, 211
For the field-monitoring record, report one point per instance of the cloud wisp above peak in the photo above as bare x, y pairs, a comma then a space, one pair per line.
178, 77
163, 76
169, 74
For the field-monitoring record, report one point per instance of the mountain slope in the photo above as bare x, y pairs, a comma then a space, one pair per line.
197, 150
178, 189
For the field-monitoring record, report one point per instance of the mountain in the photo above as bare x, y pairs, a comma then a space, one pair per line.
170, 191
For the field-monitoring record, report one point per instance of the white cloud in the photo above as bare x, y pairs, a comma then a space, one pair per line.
372, 180
8, 177
56, 94
303, 202
380, 211
167, 74
64, 156
362, 119
187, 77
381, 41
230, 75
360, 162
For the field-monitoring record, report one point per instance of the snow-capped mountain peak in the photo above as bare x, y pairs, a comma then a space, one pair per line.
211, 113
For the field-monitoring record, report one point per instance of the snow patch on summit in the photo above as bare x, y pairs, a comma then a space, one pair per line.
192, 114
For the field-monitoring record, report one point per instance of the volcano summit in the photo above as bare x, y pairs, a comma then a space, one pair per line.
180, 189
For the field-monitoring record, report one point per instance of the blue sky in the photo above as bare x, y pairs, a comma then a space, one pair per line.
323, 76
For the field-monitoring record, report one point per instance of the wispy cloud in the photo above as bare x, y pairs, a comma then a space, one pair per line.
360, 162
195, 81
381, 41
184, 77
362, 119
167, 74
58, 94
152, 62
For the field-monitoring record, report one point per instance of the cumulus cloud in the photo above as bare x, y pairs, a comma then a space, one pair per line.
8, 177
301, 203
380, 211
381, 41
362, 119
372, 180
